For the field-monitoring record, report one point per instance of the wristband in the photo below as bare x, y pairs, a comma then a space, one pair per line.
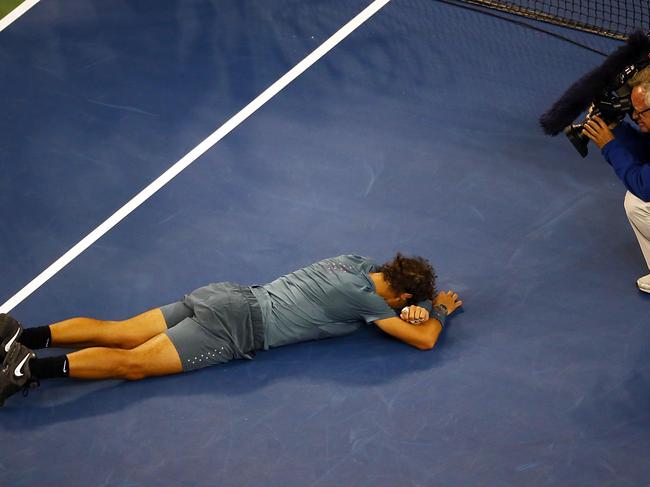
440, 313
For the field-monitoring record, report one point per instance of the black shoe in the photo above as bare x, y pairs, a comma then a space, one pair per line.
15, 374
10, 331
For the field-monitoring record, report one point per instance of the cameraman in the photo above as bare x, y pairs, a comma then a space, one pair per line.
628, 152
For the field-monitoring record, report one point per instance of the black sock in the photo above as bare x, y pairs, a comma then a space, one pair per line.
36, 338
49, 367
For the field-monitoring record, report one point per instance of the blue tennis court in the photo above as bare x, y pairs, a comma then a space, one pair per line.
417, 133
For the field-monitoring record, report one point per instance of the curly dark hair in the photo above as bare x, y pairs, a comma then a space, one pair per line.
413, 275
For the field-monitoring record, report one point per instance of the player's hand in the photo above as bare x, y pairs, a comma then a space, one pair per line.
598, 131
449, 299
414, 314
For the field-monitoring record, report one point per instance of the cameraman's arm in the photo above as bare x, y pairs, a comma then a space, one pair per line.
602, 135
623, 149
631, 138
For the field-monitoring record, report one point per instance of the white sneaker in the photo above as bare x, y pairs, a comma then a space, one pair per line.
643, 283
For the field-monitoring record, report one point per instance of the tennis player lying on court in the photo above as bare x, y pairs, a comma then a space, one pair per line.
225, 321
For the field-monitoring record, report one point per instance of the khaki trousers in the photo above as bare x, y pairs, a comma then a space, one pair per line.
638, 212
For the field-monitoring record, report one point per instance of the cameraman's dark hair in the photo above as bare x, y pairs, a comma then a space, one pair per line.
413, 275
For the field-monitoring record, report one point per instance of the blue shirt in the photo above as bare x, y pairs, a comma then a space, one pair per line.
629, 156
332, 297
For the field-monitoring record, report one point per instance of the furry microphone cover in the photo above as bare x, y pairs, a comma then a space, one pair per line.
578, 97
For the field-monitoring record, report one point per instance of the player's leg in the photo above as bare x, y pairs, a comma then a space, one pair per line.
21, 368
187, 346
157, 356
227, 331
89, 332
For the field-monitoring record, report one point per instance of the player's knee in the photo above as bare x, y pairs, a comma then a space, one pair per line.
135, 367
127, 342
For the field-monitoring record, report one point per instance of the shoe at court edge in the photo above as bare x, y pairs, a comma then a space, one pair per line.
643, 283
10, 331
15, 374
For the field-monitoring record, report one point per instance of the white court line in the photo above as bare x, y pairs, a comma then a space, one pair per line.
15, 13
191, 156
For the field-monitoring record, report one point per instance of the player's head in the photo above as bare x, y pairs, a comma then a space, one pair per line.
410, 275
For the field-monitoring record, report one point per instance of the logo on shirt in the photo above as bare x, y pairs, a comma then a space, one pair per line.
337, 267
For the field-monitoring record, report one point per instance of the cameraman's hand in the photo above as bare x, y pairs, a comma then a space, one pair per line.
598, 131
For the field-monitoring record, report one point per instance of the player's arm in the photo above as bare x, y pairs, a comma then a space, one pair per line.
420, 335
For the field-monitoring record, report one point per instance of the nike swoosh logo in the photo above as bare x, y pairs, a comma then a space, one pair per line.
11, 342
19, 370
65, 366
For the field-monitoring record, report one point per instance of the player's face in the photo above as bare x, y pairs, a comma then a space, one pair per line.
395, 300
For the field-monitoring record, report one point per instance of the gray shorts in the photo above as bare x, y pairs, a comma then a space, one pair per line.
215, 324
